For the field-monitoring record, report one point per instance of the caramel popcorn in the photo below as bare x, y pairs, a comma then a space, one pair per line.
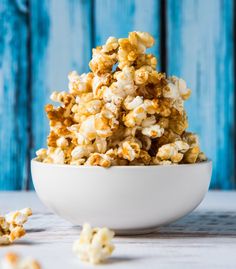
123, 112
14, 261
94, 245
11, 225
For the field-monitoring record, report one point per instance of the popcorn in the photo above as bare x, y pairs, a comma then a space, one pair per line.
133, 46
99, 159
131, 103
173, 151
94, 245
123, 112
81, 151
80, 84
153, 131
129, 150
14, 261
62, 142
11, 225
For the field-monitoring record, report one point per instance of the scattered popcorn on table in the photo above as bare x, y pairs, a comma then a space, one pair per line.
11, 225
94, 245
123, 112
14, 261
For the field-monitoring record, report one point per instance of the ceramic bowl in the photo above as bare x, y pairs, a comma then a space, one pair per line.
127, 199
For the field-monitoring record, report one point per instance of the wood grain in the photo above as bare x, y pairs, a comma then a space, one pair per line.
119, 17
200, 49
14, 110
41, 41
61, 42
205, 238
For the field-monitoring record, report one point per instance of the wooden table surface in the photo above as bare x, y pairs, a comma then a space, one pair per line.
206, 238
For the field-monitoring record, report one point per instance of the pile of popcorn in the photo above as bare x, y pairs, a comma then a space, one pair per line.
124, 112
94, 245
14, 261
11, 225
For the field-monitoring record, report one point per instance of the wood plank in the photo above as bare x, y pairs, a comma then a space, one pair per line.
200, 49
205, 238
118, 17
61, 42
14, 110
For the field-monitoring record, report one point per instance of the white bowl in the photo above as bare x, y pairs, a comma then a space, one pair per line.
128, 199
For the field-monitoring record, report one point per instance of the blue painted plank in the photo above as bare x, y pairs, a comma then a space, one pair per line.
61, 41
200, 49
14, 110
119, 17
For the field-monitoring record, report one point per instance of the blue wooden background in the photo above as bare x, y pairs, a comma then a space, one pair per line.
41, 41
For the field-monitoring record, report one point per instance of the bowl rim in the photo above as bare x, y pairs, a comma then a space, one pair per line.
69, 166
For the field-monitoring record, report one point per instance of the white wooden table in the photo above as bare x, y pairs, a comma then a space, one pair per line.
204, 239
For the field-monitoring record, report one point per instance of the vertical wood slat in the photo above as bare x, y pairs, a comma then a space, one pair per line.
200, 46
13, 95
61, 41
200, 49
118, 17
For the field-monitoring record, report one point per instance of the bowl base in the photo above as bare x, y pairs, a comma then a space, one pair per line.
127, 232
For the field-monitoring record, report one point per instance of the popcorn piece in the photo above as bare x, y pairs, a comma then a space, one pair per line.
201, 157
130, 48
191, 155
129, 150
153, 131
174, 151
99, 82
141, 40
122, 87
135, 117
123, 112
41, 154
62, 142
55, 155
87, 128
102, 62
99, 160
178, 123
101, 144
146, 59
82, 151
131, 103
94, 245
80, 84
11, 225
14, 261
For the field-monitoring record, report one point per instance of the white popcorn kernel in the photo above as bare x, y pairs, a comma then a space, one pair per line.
129, 150
79, 84
173, 151
131, 103
87, 128
57, 155
171, 91
94, 245
101, 144
62, 142
153, 131
82, 151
